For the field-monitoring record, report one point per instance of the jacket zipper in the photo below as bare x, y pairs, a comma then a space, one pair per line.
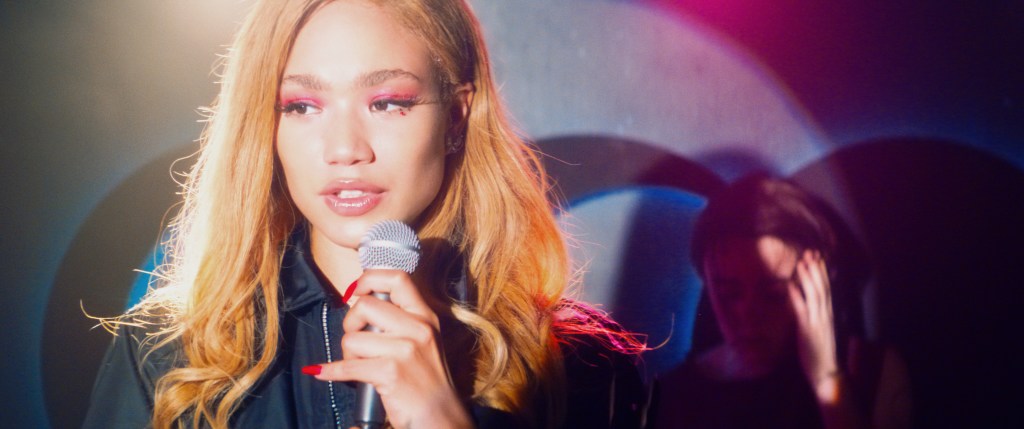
330, 384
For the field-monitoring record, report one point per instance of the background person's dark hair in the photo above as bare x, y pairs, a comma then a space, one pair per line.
759, 205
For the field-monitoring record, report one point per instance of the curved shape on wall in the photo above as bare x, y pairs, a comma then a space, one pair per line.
618, 69
584, 164
96, 275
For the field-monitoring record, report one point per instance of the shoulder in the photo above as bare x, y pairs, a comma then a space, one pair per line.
881, 383
591, 341
146, 339
601, 362
596, 352
577, 323
868, 362
141, 352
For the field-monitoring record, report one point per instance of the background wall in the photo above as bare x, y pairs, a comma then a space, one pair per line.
101, 96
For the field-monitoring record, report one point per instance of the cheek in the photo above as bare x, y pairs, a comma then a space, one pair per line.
782, 315
428, 179
728, 311
287, 166
283, 148
426, 162
292, 155
294, 168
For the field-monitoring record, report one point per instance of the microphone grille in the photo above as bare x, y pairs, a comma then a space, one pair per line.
390, 245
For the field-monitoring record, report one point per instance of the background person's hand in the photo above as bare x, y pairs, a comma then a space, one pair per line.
811, 297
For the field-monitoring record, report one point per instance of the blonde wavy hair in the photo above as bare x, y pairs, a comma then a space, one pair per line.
221, 289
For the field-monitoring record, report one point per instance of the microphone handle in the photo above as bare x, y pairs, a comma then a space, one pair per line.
369, 408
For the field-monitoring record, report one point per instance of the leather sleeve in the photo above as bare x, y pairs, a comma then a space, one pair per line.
605, 389
122, 394
489, 418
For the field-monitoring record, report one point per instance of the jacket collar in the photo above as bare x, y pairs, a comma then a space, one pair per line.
301, 283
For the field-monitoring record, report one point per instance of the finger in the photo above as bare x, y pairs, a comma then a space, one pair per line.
812, 295
819, 274
822, 272
798, 304
369, 345
816, 267
387, 317
373, 371
400, 288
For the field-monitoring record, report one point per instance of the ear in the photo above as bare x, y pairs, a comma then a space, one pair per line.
462, 98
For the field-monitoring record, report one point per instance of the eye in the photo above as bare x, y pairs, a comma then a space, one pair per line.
298, 108
392, 105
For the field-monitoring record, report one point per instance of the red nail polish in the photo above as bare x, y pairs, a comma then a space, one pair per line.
312, 369
348, 292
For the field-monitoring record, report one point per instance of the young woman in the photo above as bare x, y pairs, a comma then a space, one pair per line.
332, 116
768, 252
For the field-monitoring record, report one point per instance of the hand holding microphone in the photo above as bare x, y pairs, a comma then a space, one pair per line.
388, 245
391, 346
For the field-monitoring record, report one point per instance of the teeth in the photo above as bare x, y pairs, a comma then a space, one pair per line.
351, 194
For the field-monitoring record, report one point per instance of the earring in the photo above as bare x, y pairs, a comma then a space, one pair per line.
453, 144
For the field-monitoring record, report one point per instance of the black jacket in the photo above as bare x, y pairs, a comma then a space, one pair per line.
605, 389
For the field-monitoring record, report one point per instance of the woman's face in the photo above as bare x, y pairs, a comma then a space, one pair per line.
362, 126
748, 281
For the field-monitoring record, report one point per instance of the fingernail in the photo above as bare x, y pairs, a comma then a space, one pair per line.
312, 369
348, 292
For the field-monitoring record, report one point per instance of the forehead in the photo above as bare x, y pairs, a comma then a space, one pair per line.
744, 258
345, 39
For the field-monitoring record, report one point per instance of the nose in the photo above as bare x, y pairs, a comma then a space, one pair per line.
346, 140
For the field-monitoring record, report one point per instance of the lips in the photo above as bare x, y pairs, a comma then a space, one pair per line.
351, 193
351, 197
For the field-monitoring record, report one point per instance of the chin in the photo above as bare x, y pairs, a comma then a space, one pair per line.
346, 234
761, 352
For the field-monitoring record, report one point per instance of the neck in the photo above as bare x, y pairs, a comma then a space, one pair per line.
727, 363
339, 264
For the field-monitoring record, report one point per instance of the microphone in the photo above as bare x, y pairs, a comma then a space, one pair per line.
388, 245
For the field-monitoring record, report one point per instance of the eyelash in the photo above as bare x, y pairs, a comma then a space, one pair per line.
403, 105
291, 108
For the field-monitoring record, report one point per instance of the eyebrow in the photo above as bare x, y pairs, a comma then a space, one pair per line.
307, 81
364, 80
377, 77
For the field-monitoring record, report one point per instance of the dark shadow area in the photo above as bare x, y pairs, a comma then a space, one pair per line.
944, 226
96, 275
